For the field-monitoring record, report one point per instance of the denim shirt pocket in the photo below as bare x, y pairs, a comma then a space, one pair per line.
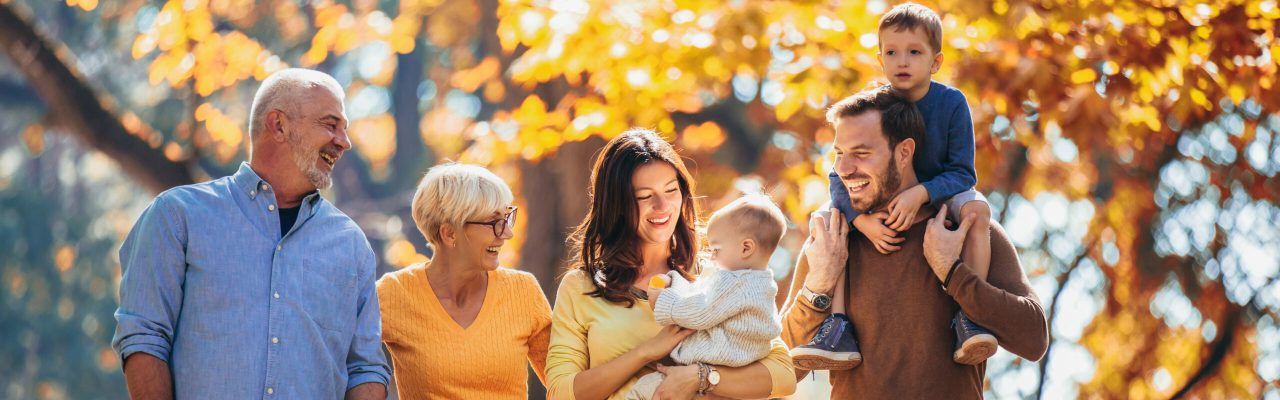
326, 285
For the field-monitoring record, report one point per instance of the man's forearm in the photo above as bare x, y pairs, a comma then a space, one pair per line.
147, 377
368, 391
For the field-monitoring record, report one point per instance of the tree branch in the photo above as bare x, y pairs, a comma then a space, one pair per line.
76, 106
1053, 310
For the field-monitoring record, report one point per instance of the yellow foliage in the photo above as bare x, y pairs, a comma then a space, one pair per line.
375, 139
703, 137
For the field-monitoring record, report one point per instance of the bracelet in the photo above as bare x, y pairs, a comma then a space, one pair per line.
950, 272
702, 379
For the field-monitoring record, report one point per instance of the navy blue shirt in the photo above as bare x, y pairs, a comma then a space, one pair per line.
944, 160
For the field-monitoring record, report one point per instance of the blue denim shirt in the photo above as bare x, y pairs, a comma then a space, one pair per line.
240, 310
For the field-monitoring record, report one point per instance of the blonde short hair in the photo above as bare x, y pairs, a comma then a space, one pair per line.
757, 217
453, 193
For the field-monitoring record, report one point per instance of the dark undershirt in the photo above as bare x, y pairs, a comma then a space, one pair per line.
287, 217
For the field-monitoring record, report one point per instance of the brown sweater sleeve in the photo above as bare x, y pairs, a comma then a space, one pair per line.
800, 319
1005, 303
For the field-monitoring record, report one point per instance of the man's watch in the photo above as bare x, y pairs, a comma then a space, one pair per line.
821, 301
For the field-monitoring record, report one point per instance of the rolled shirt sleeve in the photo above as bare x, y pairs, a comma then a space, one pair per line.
366, 361
153, 263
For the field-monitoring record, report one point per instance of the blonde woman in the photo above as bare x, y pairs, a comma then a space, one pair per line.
459, 326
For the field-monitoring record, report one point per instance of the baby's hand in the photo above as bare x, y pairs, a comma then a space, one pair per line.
656, 284
903, 208
872, 226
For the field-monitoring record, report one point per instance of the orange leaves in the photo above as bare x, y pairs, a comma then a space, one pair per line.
702, 138
469, 80
224, 132
87, 5
1083, 76
400, 253
539, 130
375, 139
189, 49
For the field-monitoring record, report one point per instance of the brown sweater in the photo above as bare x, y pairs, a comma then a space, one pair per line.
901, 317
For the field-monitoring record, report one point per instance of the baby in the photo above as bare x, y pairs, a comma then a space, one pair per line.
731, 307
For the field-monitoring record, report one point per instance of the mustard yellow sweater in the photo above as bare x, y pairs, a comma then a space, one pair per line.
435, 358
589, 331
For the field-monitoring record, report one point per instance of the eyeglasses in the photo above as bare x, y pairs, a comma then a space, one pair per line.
499, 225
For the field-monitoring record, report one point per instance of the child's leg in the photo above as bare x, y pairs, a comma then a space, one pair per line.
976, 344
976, 252
839, 298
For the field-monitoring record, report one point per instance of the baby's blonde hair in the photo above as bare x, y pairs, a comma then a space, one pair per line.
453, 193
756, 216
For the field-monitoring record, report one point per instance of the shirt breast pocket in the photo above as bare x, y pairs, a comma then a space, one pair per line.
326, 287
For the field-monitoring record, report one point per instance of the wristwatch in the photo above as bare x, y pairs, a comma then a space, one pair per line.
713, 378
708, 378
821, 301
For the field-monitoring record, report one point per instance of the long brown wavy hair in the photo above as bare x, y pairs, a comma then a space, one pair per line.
606, 242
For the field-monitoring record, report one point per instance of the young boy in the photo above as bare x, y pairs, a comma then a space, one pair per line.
910, 38
731, 307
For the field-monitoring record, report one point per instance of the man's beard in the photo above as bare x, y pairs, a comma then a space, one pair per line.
306, 161
887, 181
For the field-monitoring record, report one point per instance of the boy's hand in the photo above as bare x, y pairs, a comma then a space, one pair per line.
872, 226
903, 208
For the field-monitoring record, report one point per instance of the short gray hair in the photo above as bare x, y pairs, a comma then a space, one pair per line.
281, 91
453, 193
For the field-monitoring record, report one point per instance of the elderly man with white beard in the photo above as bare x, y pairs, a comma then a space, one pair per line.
253, 285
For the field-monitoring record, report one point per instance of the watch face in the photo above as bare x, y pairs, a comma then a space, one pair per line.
714, 377
822, 301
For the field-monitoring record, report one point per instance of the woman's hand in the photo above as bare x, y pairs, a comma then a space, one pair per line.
679, 383
661, 344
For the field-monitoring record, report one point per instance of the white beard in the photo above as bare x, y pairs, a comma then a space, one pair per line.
306, 162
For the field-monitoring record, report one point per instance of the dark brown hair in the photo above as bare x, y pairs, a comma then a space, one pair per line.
912, 16
606, 242
899, 118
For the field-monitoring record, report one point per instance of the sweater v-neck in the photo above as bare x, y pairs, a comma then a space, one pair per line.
439, 307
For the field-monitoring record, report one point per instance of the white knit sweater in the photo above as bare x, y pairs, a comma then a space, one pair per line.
732, 311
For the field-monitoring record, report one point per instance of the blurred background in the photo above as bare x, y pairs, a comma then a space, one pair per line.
1129, 148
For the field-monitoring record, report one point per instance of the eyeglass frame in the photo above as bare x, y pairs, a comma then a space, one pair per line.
506, 222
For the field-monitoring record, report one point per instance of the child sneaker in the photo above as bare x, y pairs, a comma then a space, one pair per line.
974, 344
832, 348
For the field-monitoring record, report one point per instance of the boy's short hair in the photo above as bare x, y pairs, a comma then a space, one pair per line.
756, 216
911, 16
899, 118
453, 193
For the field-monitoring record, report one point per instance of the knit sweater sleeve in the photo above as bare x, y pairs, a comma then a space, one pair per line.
703, 307
540, 335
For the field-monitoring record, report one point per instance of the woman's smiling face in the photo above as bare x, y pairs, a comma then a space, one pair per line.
659, 201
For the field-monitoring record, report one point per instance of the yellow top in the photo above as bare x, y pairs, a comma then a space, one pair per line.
589, 331
435, 358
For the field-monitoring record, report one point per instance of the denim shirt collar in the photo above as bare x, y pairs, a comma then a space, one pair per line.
253, 185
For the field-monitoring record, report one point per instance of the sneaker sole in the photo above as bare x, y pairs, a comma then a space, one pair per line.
976, 350
817, 360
